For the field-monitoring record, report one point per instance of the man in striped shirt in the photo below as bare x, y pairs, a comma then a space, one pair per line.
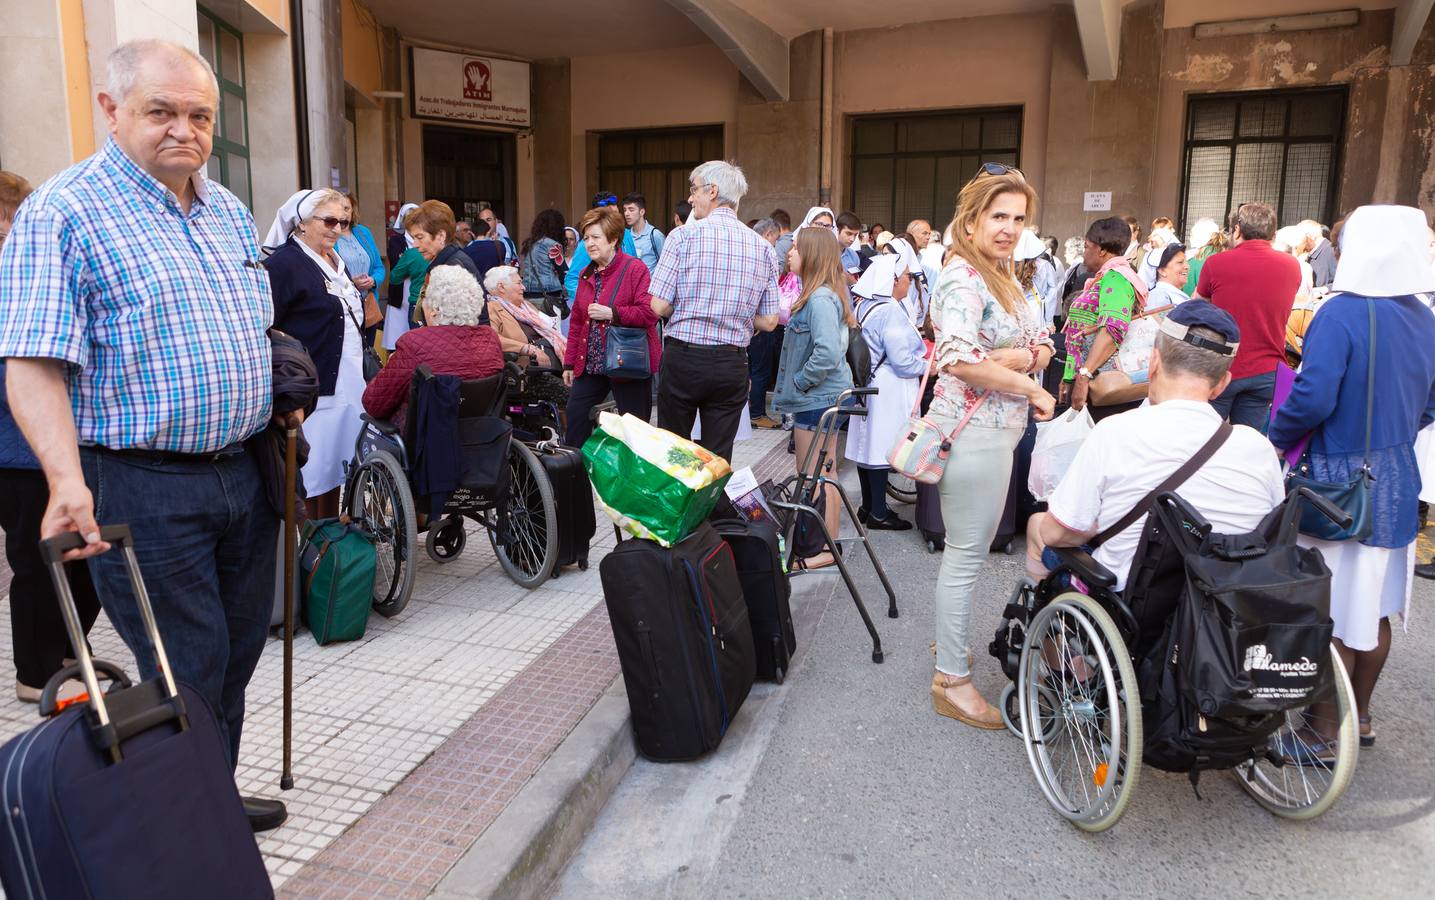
715, 283
134, 329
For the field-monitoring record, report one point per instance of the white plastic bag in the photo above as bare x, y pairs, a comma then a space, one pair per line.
1057, 442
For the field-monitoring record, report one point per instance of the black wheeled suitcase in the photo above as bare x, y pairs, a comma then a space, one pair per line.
928, 514
758, 555
573, 498
126, 794
684, 643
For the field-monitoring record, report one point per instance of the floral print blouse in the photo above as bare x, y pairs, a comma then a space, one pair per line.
969, 322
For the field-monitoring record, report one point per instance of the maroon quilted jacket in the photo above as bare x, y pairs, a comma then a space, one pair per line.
633, 307
468, 351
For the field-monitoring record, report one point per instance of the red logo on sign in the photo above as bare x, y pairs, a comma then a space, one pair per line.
477, 80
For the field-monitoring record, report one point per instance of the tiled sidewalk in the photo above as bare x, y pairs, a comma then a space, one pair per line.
477, 677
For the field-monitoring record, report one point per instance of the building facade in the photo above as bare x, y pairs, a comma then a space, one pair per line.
1153, 107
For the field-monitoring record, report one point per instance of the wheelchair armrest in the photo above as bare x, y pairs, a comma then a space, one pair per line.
382, 426
1081, 564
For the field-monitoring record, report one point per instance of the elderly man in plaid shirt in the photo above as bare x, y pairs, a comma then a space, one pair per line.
134, 328
715, 283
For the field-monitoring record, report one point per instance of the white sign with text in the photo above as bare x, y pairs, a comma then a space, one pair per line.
1096, 201
469, 88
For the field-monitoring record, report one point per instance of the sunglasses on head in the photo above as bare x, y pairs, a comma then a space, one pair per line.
332, 222
991, 168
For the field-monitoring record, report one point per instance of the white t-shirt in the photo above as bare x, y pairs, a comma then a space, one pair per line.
1127, 455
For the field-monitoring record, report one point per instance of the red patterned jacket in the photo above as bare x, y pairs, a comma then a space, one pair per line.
468, 351
632, 307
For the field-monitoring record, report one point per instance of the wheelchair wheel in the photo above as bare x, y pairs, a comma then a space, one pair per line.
901, 488
529, 549
1295, 780
377, 495
1080, 711
1011, 715
444, 540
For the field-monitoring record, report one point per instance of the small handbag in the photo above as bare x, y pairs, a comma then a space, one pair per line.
1353, 496
922, 450
372, 314
372, 363
625, 347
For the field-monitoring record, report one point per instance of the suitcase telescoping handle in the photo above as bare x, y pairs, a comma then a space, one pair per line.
119, 538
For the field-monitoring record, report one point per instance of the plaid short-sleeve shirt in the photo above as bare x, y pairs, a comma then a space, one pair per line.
162, 315
718, 274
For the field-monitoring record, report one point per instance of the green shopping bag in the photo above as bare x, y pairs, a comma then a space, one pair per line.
652, 483
338, 560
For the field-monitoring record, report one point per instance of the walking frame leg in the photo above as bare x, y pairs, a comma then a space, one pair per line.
831, 543
867, 543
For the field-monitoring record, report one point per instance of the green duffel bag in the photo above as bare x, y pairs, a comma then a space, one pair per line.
338, 561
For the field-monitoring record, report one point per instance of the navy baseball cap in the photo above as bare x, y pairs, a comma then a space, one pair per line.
1203, 314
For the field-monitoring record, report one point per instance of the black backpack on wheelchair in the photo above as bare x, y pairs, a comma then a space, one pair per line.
1246, 636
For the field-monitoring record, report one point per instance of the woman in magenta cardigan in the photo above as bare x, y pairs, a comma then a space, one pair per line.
612, 290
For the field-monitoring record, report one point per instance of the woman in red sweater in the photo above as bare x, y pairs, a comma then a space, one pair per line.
452, 344
612, 290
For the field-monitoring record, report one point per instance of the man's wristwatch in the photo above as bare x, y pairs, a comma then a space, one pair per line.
1084, 373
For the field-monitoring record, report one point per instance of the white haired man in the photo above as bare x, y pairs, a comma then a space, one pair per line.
715, 284
151, 377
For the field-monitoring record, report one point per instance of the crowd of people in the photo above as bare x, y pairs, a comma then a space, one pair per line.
153, 381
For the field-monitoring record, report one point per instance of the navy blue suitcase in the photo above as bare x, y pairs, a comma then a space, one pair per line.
126, 795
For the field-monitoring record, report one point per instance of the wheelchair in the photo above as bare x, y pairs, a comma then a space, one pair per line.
1072, 646
520, 516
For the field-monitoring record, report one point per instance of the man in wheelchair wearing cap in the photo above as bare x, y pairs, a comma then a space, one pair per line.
1128, 455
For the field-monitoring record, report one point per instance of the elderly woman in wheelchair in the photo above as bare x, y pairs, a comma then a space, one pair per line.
447, 383
453, 343
1168, 595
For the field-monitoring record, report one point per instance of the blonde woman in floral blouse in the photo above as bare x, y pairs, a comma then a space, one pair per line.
989, 344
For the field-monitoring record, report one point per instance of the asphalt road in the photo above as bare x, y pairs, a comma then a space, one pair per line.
843, 782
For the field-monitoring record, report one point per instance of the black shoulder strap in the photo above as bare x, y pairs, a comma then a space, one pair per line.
613, 295
862, 319
1176, 479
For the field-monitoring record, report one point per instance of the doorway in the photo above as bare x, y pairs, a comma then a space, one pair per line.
464, 167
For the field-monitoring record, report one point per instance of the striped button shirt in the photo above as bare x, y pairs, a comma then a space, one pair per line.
161, 315
718, 274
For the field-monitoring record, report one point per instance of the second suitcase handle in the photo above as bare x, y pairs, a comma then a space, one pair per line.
119, 538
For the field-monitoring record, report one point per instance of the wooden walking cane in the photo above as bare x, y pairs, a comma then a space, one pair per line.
291, 464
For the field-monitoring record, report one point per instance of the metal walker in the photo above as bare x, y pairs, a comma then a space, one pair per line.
798, 495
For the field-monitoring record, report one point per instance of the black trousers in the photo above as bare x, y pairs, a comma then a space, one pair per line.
707, 381
36, 626
588, 391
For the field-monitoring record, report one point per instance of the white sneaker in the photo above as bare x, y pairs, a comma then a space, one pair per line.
787, 422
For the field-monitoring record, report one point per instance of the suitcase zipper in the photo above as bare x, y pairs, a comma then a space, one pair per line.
708, 597
699, 596
688, 684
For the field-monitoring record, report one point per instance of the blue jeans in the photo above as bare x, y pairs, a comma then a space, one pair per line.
759, 366
1247, 401
206, 540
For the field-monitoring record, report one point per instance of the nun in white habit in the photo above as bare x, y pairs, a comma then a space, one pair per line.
811, 220
919, 296
313, 299
396, 318
1381, 273
899, 358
